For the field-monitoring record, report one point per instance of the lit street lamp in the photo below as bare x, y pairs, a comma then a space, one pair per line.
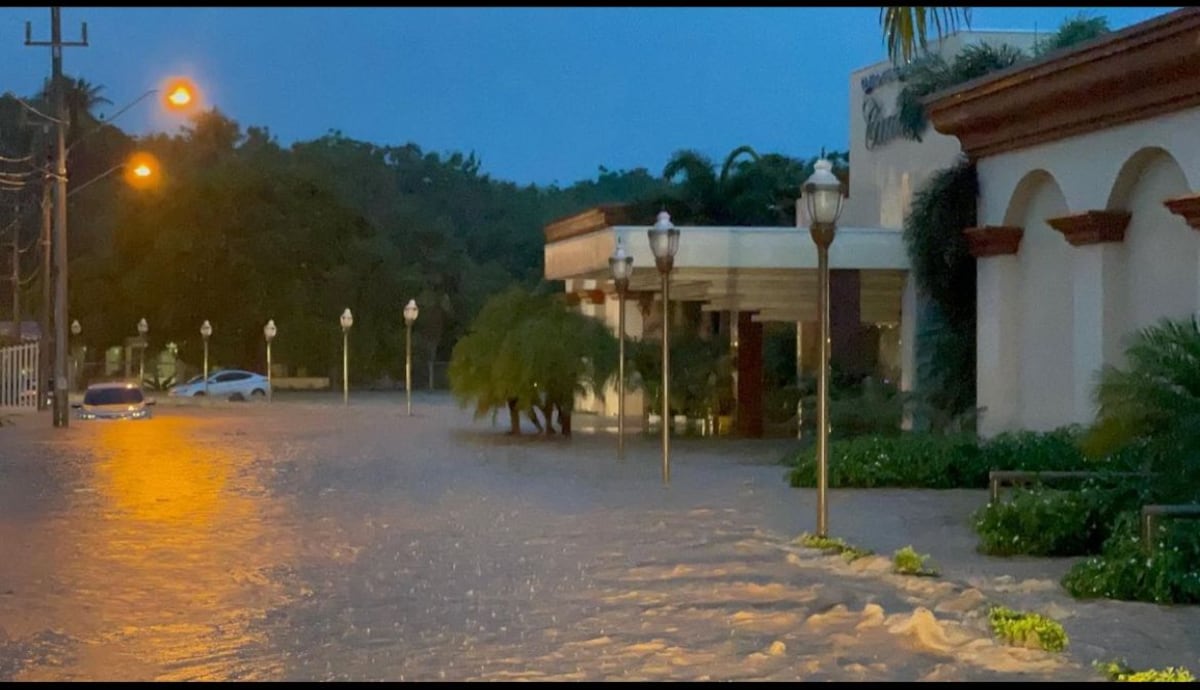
181, 95
823, 197
269, 331
143, 328
622, 267
76, 329
410, 315
205, 331
664, 242
347, 320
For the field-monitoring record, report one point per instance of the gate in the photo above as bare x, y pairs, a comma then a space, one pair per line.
18, 376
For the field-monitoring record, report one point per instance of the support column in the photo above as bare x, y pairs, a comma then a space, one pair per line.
750, 376
1097, 281
845, 322
997, 326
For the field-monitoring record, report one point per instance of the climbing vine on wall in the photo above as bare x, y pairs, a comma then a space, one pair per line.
945, 273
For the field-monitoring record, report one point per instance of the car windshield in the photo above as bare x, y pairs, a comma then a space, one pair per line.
196, 379
113, 396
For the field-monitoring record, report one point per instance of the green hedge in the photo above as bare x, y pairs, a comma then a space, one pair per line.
1125, 570
935, 461
1054, 522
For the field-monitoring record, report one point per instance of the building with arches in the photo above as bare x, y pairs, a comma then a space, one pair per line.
1088, 218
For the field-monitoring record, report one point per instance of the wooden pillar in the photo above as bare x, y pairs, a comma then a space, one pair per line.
750, 376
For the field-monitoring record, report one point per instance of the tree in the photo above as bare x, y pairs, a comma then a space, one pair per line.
945, 273
527, 352
749, 189
1153, 403
906, 29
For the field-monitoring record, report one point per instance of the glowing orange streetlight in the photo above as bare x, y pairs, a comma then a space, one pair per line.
141, 169
180, 93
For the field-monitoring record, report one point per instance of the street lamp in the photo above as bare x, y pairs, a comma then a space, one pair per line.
664, 242
823, 197
410, 315
76, 329
622, 267
205, 331
140, 171
347, 320
143, 328
269, 331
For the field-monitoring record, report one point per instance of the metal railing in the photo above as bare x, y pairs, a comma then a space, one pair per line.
19, 376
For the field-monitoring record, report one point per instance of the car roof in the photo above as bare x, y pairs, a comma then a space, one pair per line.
111, 384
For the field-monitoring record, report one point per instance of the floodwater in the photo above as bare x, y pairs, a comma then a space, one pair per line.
306, 541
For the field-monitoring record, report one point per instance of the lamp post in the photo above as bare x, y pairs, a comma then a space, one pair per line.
823, 197
664, 242
205, 331
622, 267
143, 328
410, 315
76, 329
269, 331
347, 320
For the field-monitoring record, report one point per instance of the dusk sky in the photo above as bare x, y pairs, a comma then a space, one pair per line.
541, 95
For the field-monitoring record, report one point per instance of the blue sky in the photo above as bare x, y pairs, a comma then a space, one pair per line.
541, 95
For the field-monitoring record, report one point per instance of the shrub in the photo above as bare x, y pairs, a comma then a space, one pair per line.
1035, 451
911, 460
1126, 570
833, 544
1053, 522
937, 461
1121, 672
907, 561
1027, 629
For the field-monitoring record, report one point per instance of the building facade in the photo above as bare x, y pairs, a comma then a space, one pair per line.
1089, 165
739, 278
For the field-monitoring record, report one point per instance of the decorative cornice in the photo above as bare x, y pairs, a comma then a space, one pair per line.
993, 240
587, 221
1186, 206
1143, 71
1092, 227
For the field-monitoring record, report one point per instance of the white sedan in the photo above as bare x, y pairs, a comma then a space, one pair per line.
233, 384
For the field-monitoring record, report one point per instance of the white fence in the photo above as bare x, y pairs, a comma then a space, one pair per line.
18, 376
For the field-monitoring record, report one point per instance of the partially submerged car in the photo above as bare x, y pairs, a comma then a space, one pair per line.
114, 401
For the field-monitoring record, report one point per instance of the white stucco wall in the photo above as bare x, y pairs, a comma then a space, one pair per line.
1053, 315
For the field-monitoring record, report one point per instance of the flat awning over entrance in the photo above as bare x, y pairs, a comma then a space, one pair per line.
768, 270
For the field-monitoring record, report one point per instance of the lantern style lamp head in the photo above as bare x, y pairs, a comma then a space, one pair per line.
823, 197
205, 329
347, 319
143, 327
411, 311
664, 242
76, 329
269, 330
621, 265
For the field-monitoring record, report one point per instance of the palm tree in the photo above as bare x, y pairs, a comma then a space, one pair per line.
1154, 403
749, 189
906, 29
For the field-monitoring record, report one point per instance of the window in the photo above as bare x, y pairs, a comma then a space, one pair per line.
113, 396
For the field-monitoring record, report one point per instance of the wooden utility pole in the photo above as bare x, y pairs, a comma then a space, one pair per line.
56, 44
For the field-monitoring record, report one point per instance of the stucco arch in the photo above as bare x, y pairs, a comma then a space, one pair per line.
1044, 336
1132, 170
1032, 183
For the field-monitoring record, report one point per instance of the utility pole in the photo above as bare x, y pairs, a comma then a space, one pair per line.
16, 270
47, 277
61, 403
